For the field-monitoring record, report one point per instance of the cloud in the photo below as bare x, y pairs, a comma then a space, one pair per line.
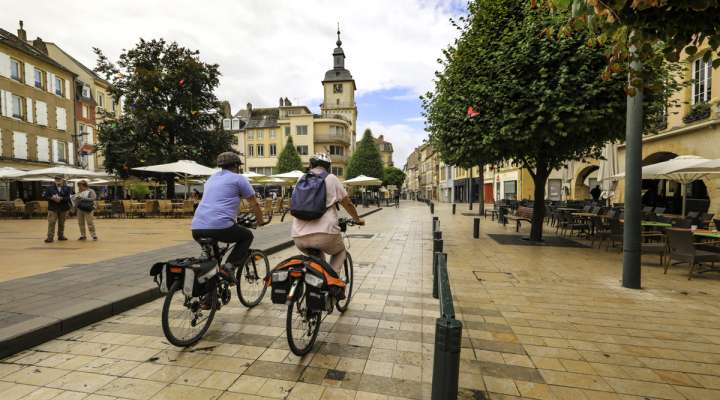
265, 48
415, 119
404, 138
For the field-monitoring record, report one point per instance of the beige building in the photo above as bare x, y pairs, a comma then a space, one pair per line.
264, 131
93, 104
386, 150
37, 120
411, 185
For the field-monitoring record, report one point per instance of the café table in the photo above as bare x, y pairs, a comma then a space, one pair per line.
652, 224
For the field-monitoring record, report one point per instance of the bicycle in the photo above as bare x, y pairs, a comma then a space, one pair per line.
309, 287
198, 289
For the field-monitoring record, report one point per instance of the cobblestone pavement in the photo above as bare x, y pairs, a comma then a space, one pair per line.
539, 323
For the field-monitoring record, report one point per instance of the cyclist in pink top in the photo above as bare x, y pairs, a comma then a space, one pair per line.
324, 233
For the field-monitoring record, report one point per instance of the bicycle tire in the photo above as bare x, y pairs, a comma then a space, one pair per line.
349, 272
301, 350
166, 327
254, 254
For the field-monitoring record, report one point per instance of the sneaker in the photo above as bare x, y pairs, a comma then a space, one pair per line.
82, 238
48, 240
62, 238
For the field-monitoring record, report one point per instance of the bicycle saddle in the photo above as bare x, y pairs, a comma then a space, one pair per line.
207, 240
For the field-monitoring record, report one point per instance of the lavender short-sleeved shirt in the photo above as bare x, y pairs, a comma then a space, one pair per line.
221, 198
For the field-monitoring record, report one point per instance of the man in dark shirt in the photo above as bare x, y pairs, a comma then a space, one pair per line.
58, 198
595, 193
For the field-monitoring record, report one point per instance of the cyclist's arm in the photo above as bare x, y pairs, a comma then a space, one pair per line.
255, 207
350, 208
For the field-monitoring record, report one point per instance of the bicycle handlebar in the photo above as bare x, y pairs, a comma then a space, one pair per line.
249, 220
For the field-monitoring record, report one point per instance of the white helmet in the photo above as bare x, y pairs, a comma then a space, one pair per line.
320, 159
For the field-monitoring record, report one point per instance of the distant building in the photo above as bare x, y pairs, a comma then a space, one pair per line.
37, 122
263, 132
386, 150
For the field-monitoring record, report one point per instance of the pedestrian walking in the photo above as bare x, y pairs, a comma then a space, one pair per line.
84, 202
58, 197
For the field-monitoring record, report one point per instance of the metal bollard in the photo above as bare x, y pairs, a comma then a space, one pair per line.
437, 235
436, 223
446, 367
476, 228
454, 208
437, 245
436, 262
432, 208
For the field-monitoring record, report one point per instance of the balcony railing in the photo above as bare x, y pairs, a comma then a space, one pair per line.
338, 159
332, 138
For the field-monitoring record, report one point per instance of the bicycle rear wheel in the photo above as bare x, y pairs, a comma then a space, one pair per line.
184, 321
250, 279
302, 326
347, 276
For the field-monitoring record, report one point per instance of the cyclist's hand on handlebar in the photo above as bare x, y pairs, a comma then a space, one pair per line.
359, 221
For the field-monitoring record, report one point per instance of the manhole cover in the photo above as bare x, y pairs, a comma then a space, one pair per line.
335, 375
361, 235
485, 276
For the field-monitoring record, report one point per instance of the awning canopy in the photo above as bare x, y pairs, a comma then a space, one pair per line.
64, 171
183, 167
363, 180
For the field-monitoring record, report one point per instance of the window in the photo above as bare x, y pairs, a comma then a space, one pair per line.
262, 170
251, 135
272, 134
337, 150
337, 171
337, 130
18, 107
273, 150
701, 73
261, 150
101, 99
85, 111
251, 151
16, 69
112, 104
287, 131
510, 190
227, 124
39, 78
260, 134
235, 125
337, 88
301, 130
86, 92
59, 86
302, 150
61, 151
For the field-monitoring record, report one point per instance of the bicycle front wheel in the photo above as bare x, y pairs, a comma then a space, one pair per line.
185, 319
347, 277
250, 279
302, 326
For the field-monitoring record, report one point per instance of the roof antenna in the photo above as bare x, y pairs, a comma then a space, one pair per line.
339, 42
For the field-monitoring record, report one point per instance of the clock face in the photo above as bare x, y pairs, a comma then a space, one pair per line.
337, 88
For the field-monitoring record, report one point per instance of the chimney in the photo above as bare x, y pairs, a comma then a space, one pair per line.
40, 45
21, 33
281, 101
249, 106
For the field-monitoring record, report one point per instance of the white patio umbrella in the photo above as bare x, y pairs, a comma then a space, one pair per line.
608, 168
292, 175
185, 169
362, 180
253, 176
64, 171
9, 172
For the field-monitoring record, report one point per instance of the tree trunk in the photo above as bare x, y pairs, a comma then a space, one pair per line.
538, 219
481, 191
170, 182
470, 191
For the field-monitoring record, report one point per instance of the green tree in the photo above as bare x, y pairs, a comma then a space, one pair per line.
170, 110
366, 159
537, 99
393, 176
289, 159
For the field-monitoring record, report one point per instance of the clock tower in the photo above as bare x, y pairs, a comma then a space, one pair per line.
339, 91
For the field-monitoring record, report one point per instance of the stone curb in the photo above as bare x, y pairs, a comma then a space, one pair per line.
39, 330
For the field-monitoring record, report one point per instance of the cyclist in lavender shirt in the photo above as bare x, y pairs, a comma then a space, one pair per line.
216, 215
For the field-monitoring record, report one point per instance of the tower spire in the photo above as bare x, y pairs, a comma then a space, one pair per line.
339, 42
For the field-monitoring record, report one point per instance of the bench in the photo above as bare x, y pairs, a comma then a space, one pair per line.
523, 214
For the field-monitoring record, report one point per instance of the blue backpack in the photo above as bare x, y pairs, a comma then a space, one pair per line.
308, 198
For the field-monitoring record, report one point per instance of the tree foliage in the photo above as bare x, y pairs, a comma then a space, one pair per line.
393, 176
673, 25
366, 160
170, 111
537, 99
289, 159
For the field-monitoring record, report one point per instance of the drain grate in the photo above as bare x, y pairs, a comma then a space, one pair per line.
361, 235
335, 375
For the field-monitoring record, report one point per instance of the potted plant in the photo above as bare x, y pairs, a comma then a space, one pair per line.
139, 191
697, 112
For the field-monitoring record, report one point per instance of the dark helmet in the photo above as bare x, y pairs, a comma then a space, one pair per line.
320, 160
227, 159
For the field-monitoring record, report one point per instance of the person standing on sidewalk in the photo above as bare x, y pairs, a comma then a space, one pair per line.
58, 197
84, 201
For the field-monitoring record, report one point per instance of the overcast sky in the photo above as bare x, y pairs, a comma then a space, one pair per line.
272, 48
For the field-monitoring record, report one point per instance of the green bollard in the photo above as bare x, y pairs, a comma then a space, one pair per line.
436, 262
446, 364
